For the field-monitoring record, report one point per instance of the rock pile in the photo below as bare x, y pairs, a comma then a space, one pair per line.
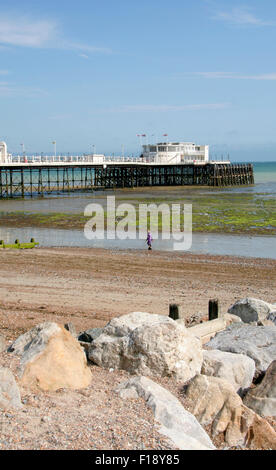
230, 382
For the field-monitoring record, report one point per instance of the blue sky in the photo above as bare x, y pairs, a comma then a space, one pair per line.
98, 73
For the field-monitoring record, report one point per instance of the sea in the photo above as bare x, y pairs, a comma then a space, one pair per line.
214, 244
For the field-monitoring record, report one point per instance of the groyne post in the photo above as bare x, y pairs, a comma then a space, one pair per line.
213, 309
174, 311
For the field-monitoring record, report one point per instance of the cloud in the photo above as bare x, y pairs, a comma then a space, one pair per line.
24, 31
84, 56
165, 108
242, 16
235, 76
4, 72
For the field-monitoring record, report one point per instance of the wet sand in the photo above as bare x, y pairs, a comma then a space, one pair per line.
89, 286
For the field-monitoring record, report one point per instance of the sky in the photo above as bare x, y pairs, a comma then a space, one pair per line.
93, 75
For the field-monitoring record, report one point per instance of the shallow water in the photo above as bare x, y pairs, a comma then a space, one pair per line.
213, 244
221, 244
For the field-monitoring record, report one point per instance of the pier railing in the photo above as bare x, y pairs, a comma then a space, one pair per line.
97, 159
47, 159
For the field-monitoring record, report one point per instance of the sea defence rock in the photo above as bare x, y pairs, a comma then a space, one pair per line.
2, 343
262, 399
9, 391
256, 342
214, 402
51, 358
148, 344
180, 426
251, 310
237, 369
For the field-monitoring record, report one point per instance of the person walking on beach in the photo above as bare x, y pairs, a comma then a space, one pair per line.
149, 240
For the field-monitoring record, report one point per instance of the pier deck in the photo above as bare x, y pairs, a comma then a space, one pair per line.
30, 179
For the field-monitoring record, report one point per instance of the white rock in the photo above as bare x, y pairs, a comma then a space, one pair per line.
237, 369
251, 310
256, 342
147, 344
180, 426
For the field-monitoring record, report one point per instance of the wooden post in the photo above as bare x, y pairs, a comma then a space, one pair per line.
174, 311
213, 312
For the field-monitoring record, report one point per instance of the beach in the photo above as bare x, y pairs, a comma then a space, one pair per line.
88, 287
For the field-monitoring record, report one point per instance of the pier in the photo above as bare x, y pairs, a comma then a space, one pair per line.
28, 178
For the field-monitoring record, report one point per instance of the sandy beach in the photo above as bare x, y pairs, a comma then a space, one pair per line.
90, 286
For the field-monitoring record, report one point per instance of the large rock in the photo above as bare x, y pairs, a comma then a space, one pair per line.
256, 342
148, 344
251, 310
2, 343
51, 359
214, 402
236, 369
9, 391
180, 426
262, 399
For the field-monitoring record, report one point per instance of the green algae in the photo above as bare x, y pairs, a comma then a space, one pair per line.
253, 214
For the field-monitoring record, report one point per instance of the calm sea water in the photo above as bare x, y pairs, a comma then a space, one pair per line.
237, 245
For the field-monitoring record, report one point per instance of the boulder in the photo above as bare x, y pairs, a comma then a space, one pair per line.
9, 391
148, 344
51, 358
236, 369
214, 402
251, 310
256, 342
180, 426
262, 398
2, 343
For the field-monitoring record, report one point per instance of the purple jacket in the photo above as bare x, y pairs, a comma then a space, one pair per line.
149, 238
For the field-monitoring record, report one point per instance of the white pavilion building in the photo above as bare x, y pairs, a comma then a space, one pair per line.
175, 152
